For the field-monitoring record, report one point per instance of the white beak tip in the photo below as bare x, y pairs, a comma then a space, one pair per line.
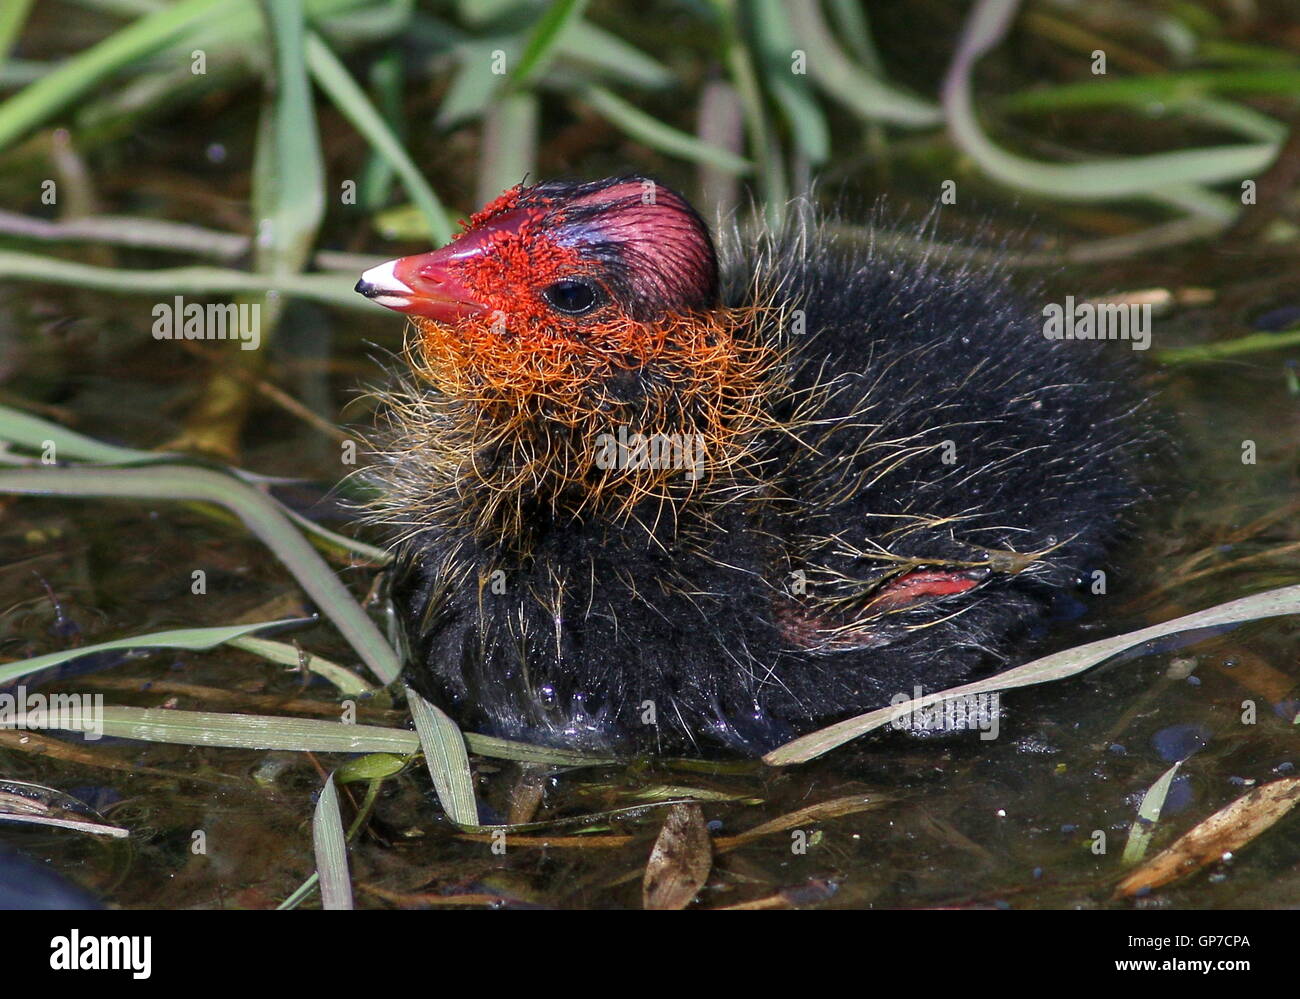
383, 286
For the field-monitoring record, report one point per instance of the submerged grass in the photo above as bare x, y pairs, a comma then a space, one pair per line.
1058, 666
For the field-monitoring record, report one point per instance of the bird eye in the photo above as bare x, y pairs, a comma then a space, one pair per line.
573, 298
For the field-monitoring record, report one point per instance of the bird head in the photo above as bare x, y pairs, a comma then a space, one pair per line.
562, 260
563, 312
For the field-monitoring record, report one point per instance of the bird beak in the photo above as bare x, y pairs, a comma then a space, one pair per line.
423, 285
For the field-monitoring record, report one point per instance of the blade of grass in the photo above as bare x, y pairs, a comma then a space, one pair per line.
842, 78
204, 24
288, 175
157, 234
50, 94
347, 682
387, 79
1252, 343
13, 15
1162, 176
331, 849
798, 106
585, 45
764, 148
447, 760
328, 289
1139, 834
15, 73
655, 134
851, 25
1145, 91
90, 828
719, 122
1058, 666
366, 24
258, 512
371, 768
558, 17
194, 639
509, 148
474, 84
1227, 831
31, 433
122, 8
241, 731
300, 895
287, 205
352, 102
308, 735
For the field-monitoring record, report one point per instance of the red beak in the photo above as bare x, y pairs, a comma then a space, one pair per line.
423, 285
427, 285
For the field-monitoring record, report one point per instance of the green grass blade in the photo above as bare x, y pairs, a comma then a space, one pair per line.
331, 848
300, 894
1154, 176
203, 24
328, 289
258, 512
13, 15
240, 731
288, 175
763, 145
852, 27
333, 78
1153, 802
523, 752
586, 46
473, 85
371, 767
1145, 91
387, 82
194, 639
509, 148
368, 23
30, 433
798, 106
309, 735
1058, 666
1252, 343
347, 682
655, 134
847, 82
447, 759
542, 42
53, 92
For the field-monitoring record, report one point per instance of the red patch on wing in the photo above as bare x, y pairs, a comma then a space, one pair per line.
919, 585
809, 631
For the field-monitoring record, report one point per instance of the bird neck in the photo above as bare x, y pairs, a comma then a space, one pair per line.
509, 435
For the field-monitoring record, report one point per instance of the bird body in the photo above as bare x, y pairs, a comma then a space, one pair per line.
643, 501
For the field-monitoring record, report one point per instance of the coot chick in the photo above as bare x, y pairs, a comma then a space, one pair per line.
646, 501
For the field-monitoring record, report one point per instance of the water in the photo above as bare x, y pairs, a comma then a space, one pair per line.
945, 822
905, 822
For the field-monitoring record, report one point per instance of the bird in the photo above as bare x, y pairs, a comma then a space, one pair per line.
652, 492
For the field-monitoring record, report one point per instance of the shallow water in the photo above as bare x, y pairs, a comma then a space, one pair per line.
887, 821
955, 821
